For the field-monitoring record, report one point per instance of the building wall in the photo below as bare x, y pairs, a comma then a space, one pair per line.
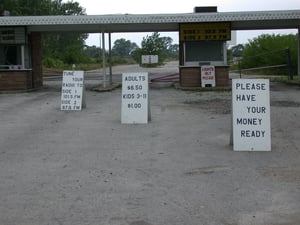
222, 76
35, 40
191, 76
15, 80
25, 79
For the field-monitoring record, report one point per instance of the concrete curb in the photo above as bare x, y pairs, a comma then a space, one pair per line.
107, 89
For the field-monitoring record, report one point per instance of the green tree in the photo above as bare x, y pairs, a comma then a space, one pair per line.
234, 54
173, 51
123, 47
237, 50
156, 45
33, 7
93, 52
68, 48
270, 50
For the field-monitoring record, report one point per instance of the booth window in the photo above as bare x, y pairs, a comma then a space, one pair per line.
204, 51
12, 48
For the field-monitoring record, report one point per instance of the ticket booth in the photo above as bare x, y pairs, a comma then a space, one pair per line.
20, 59
203, 44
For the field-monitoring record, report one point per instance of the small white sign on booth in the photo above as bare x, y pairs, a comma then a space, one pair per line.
208, 76
73, 93
149, 59
251, 115
135, 98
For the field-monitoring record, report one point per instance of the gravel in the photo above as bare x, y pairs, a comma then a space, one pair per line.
86, 168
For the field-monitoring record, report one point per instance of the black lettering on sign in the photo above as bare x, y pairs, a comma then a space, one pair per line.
135, 78
248, 121
69, 85
252, 133
134, 105
66, 102
142, 78
256, 109
250, 86
138, 87
76, 107
241, 97
68, 73
131, 78
128, 96
138, 96
66, 91
77, 79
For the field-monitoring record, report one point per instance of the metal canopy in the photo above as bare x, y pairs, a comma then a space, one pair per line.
288, 19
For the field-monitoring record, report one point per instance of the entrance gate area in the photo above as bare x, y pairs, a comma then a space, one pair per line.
203, 35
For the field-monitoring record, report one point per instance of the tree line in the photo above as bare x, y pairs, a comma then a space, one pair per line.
124, 51
267, 50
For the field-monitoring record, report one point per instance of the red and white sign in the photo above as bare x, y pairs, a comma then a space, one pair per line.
208, 76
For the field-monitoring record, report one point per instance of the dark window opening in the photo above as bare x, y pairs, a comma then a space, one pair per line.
10, 56
204, 51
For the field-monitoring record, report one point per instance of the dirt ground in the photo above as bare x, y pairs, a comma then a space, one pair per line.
86, 168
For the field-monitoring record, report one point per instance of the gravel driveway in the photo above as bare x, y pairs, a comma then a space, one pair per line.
86, 168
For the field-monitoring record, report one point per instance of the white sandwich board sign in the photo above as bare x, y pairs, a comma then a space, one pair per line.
149, 59
251, 115
208, 76
73, 93
135, 98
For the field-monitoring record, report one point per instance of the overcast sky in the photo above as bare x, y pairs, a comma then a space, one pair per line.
100, 7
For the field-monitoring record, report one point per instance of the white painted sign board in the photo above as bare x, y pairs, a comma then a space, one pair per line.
72, 93
134, 98
251, 115
208, 76
149, 59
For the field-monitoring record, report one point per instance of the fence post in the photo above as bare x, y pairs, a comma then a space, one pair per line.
240, 69
289, 64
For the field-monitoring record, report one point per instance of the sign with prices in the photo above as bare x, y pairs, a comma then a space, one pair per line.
149, 59
208, 76
251, 115
72, 94
134, 98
